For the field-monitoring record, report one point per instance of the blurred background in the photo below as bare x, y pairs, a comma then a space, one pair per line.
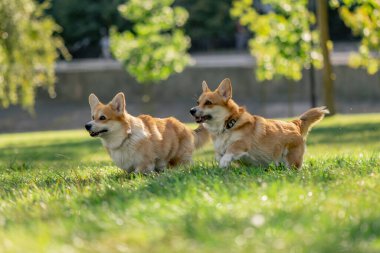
282, 57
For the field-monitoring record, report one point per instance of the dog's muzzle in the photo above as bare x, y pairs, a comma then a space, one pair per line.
199, 117
88, 127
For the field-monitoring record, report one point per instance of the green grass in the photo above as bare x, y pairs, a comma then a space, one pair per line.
60, 192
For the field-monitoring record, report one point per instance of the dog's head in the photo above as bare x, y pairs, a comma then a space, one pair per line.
108, 118
213, 105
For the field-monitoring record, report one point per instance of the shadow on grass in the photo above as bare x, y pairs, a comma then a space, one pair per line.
168, 185
174, 184
208, 178
71, 151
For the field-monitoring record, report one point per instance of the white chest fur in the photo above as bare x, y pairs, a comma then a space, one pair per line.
122, 148
223, 141
124, 157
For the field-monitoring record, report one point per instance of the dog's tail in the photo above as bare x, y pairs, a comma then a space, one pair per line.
201, 136
309, 118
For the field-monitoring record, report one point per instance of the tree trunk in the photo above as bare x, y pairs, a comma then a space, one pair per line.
313, 94
313, 86
327, 74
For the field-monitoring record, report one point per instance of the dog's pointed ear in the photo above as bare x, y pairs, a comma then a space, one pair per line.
225, 89
93, 101
205, 87
118, 103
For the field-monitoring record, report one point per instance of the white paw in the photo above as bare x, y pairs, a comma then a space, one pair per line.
225, 161
224, 164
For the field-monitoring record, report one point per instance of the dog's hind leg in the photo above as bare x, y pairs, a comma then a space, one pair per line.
185, 159
294, 157
161, 165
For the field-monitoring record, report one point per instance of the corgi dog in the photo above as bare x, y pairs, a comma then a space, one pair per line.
142, 144
239, 135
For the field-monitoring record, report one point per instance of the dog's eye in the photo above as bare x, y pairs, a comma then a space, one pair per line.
197, 102
208, 102
102, 118
93, 117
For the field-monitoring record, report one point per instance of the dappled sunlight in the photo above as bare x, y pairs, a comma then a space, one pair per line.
65, 184
63, 191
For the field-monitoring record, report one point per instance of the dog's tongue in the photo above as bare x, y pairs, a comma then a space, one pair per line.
93, 134
198, 119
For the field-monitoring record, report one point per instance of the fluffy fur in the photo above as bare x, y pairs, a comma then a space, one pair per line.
238, 135
142, 144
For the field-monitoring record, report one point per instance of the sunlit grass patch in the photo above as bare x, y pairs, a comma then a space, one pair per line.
60, 192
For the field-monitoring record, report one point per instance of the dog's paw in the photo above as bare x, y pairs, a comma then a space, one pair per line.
145, 170
223, 164
225, 161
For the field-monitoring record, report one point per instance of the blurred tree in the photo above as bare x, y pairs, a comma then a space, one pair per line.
28, 50
363, 17
156, 46
282, 37
209, 26
284, 43
85, 22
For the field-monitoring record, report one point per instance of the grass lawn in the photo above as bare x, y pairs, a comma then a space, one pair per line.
60, 192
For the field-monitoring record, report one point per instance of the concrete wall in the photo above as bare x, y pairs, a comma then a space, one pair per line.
355, 90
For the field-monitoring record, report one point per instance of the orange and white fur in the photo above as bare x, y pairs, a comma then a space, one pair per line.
142, 144
238, 135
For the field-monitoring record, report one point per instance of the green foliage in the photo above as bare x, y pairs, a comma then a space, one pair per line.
363, 17
84, 22
28, 50
61, 193
157, 46
283, 43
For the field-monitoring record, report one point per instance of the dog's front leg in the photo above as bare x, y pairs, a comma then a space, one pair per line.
226, 160
218, 156
234, 152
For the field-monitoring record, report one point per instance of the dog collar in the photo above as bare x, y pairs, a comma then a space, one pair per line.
230, 123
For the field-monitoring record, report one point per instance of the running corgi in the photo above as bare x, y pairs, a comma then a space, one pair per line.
142, 144
238, 135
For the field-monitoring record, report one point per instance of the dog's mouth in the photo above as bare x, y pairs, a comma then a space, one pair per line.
94, 134
202, 119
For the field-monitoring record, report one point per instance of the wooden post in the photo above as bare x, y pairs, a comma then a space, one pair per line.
313, 94
327, 74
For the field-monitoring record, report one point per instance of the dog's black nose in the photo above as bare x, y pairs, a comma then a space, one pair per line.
193, 110
88, 127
